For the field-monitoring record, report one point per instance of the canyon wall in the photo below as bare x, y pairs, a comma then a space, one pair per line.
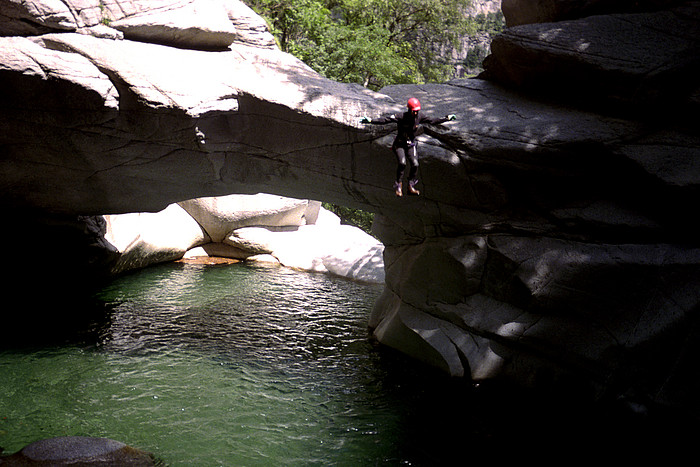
552, 242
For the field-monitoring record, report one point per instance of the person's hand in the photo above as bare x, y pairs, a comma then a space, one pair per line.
451, 117
365, 120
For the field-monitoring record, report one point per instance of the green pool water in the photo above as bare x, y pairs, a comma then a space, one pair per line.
236, 365
219, 365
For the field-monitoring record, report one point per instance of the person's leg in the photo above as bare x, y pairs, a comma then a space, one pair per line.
413, 171
400, 168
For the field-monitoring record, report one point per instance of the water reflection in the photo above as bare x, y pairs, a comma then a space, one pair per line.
291, 374
236, 365
269, 315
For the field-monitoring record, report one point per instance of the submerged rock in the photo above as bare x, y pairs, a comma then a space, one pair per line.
79, 450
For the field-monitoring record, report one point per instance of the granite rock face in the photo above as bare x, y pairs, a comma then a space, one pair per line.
640, 65
518, 12
552, 240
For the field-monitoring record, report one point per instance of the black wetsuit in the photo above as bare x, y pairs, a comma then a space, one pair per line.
408, 127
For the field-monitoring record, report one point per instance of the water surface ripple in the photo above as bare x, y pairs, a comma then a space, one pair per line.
236, 365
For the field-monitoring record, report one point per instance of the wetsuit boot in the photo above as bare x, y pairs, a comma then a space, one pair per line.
412, 187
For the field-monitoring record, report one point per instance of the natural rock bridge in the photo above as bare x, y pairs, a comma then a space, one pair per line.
552, 238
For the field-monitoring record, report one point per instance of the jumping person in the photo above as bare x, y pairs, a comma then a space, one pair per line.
404, 145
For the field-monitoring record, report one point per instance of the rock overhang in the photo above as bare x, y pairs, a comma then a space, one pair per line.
203, 108
188, 102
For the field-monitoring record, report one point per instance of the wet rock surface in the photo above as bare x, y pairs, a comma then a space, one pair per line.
78, 450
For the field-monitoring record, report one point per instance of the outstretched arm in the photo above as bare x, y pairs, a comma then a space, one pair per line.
437, 121
381, 120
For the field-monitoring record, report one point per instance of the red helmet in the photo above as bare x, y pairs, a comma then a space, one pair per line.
413, 104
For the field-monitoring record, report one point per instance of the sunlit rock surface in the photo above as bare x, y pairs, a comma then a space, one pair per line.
295, 233
553, 239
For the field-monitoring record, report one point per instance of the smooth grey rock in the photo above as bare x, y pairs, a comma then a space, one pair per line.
25, 18
341, 250
143, 239
79, 450
298, 233
250, 28
201, 24
518, 12
642, 63
219, 216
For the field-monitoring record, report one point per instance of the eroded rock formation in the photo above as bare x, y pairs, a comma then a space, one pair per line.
552, 241
295, 233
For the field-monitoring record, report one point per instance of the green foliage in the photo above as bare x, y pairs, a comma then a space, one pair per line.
371, 42
485, 25
356, 217
491, 24
103, 13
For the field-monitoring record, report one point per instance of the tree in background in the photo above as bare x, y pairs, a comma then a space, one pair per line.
357, 217
371, 42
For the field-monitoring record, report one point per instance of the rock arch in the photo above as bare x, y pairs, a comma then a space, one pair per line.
552, 236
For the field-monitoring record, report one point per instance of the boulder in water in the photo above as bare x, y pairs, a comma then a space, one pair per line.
79, 450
